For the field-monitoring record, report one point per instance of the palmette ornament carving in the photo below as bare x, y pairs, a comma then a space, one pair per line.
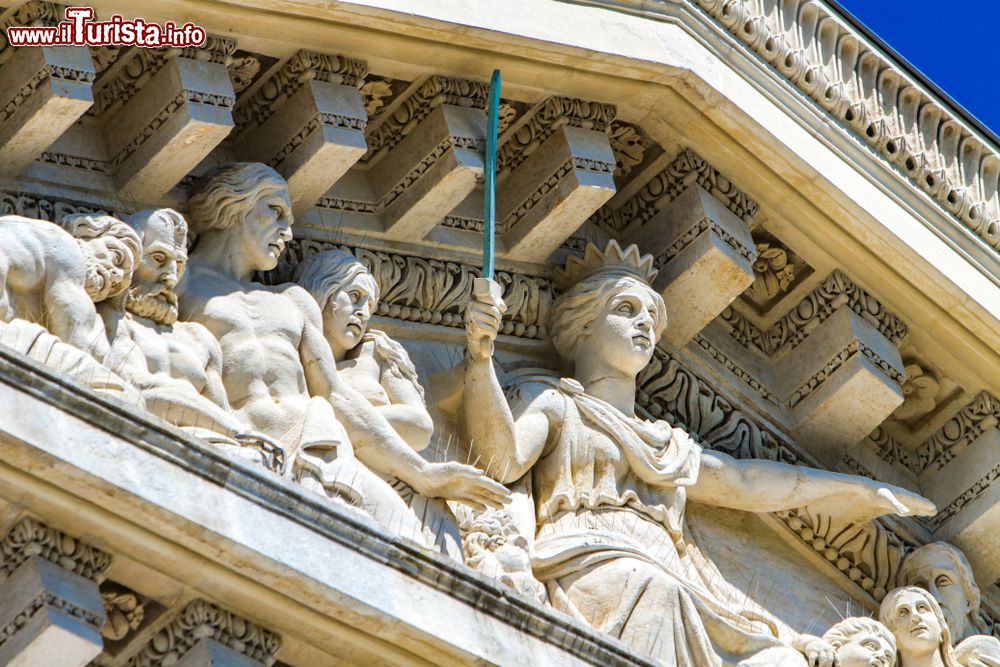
687, 168
836, 291
868, 554
31, 537
881, 105
202, 619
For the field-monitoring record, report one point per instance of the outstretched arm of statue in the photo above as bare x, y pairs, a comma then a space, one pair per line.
755, 485
375, 442
507, 443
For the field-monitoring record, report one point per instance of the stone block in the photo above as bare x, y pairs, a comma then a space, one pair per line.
307, 122
844, 379
52, 616
420, 179
171, 124
210, 653
705, 253
48, 89
967, 493
553, 191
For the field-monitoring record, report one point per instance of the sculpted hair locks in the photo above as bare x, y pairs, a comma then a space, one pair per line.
574, 311
887, 618
224, 195
843, 632
326, 273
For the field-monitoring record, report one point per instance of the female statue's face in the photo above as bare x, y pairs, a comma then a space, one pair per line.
345, 318
623, 334
915, 624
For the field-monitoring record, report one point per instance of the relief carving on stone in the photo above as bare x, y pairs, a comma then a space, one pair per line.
609, 489
278, 368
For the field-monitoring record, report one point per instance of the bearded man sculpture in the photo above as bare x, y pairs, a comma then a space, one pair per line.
277, 368
942, 570
177, 365
53, 278
610, 540
917, 622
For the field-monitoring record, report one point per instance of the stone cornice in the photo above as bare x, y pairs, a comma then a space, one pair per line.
877, 100
835, 291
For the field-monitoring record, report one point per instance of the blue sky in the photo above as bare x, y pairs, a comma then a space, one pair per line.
956, 44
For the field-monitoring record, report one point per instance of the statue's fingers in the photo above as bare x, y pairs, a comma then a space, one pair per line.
890, 497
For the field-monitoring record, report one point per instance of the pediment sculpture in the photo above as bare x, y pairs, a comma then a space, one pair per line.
610, 541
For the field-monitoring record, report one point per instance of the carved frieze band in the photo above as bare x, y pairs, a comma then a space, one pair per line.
891, 451
733, 366
44, 74
406, 113
161, 117
853, 349
52, 209
959, 431
687, 168
202, 619
301, 67
425, 165
688, 237
550, 184
33, 538
415, 289
882, 105
836, 291
525, 136
124, 79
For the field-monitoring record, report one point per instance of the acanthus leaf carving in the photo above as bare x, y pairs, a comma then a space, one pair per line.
202, 619
31, 537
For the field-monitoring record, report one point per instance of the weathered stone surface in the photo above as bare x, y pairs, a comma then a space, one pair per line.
49, 616
48, 89
170, 123
841, 382
705, 253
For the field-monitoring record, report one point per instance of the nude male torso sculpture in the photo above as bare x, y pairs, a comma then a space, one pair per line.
178, 365
278, 371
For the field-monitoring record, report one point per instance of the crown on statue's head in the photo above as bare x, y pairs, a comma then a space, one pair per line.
611, 260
